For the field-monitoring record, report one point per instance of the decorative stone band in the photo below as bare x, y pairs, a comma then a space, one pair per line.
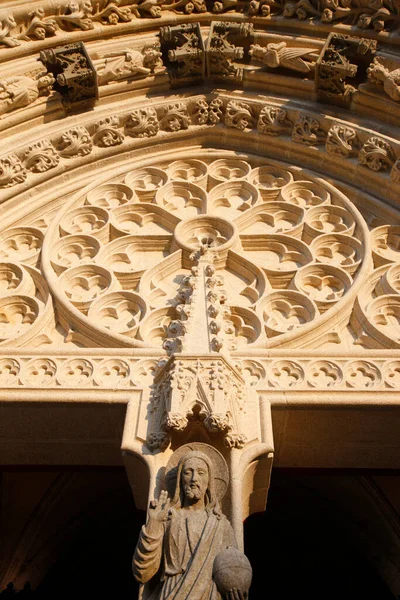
89, 19
352, 149
83, 371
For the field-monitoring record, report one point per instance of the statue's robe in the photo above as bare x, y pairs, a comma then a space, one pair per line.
182, 557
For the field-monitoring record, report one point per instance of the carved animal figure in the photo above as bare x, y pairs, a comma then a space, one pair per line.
279, 55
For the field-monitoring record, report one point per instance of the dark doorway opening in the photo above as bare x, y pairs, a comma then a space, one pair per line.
303, 546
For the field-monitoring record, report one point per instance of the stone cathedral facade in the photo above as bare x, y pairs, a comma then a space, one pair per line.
199, 242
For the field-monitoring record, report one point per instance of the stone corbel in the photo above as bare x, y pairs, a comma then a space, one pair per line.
183, 54
76, 78
341, 66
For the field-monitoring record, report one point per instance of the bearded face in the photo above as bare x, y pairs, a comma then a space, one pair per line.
195, 479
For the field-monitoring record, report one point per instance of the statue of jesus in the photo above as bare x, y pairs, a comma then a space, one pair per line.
184, 536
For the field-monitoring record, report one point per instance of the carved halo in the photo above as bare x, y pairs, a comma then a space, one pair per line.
220, 468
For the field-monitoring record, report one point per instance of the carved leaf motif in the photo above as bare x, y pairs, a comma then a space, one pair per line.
376, 154
142, 123
11, 171
41, 157
395, 172
75, 142
38, 27
200, 111
306, 131
107, 133
273, 120
216, 110
239, 115
76, 15
340, 140
175, 118
7, 23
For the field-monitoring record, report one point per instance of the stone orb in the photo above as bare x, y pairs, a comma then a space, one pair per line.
232, 569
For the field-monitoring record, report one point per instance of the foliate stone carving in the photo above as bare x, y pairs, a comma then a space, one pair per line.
38, 26
200, 388
142, 122
273, 121
107, 132
11, 171
76, 15
239, 115
395, 172
128, 64
341, 140
175, 117
183, 45
75, 142
376, 154
196, 478
113, 13
41, 157
306, 130
216, 111
22, 90
278, 55
342, 58
158, 441
201, 111
75, 75
7, 24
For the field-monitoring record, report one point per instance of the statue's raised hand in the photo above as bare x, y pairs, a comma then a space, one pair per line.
158, 509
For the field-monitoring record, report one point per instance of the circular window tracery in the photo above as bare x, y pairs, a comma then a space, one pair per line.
287, 248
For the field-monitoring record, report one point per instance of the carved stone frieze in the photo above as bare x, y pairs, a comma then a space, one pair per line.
107, 132
11, 171
341, 140
376, 154
273, 120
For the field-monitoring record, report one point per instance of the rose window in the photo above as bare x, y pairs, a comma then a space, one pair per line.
258, 253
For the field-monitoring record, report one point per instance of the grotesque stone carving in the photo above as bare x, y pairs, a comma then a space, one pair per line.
279, 55
128, 64
22, 90
189, 537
